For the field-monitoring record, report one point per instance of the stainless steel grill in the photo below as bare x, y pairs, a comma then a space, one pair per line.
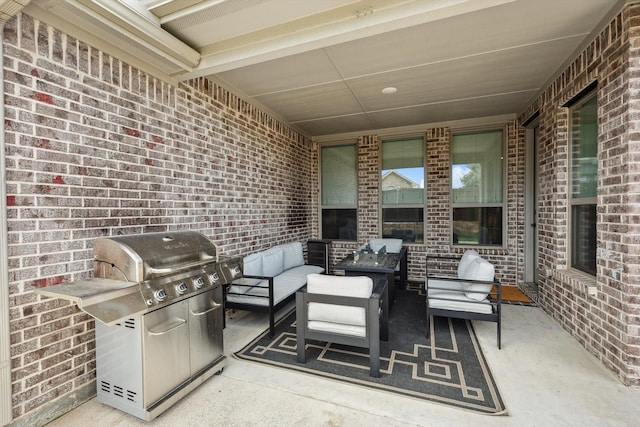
158, 299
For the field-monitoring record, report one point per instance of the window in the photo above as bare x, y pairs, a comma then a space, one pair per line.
339, 192
584, 168
477, 174
403, 189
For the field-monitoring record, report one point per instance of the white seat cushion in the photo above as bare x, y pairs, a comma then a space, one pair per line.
302, 271
337, 328
458, 301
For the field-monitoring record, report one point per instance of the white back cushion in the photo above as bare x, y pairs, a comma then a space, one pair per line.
467, 258
393, 245
348, 286
480, 269
484, 270
273, 261
252, 265
351, 286
293, 256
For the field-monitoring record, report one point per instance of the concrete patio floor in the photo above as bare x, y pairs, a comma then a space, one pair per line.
544, 376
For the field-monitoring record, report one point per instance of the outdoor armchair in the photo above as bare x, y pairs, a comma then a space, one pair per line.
463, 287
343, 310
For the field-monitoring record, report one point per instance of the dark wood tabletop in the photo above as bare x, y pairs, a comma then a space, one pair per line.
370, 263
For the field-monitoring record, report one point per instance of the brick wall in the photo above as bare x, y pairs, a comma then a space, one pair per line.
96, 147
606, 324
368, 186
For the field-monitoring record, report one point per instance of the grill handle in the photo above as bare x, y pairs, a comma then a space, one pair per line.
190, 265
208, 310
169, 326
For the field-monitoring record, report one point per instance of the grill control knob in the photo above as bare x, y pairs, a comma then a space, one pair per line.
160, 295
214, 277
181, 288
198, 282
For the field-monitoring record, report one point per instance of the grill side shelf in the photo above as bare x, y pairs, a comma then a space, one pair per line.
105, 299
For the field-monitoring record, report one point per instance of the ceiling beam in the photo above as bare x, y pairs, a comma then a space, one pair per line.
338, 25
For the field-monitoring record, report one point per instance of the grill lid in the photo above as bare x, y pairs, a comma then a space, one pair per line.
143, 257
137, 273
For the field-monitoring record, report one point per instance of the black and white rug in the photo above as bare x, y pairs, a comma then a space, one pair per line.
448, 369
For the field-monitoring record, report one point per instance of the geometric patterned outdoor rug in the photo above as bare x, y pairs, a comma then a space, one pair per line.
449, 369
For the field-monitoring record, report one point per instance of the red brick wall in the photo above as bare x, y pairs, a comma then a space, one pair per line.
606, 324
96, 147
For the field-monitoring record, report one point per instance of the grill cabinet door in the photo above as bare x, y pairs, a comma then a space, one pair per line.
166, 350
205, 328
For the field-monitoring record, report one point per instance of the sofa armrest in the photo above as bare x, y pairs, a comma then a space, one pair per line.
314, 265
238, 282
495, 291
252, 276
461, 280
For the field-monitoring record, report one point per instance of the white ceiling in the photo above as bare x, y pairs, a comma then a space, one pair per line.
321, 64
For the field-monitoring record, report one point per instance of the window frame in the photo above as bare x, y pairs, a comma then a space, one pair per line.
504, 217
321, 206
576, 103
396, 138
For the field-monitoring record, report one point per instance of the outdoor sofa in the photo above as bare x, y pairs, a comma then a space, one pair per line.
270, 279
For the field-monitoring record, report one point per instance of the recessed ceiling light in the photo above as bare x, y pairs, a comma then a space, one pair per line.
389, 90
